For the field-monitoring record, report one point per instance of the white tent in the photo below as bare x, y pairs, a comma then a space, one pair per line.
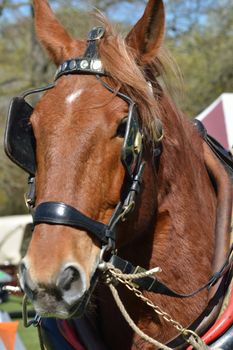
11, 236
218, 119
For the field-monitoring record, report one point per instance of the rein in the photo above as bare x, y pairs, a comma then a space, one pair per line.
152, 284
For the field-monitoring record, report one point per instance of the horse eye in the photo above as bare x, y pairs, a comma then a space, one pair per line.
122, 128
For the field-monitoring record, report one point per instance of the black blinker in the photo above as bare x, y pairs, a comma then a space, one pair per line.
121, 130
19, 138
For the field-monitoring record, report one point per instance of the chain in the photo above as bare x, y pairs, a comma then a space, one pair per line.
131, 286
113, 275
132, 324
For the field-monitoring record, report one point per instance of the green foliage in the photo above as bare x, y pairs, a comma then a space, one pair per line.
205, 57
23, 65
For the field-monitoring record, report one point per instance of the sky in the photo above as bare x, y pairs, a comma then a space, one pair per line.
125, 12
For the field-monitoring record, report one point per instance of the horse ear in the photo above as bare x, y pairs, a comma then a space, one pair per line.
51, 33
147, 35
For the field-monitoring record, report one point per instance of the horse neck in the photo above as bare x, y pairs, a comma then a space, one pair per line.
170, 206
173, 228
186, 200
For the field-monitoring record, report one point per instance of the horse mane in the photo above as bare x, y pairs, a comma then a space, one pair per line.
127, 75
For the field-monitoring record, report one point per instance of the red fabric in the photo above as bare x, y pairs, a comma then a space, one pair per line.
215, 124
221, 325
70, 335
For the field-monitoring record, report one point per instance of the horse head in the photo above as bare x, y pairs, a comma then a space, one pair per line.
82, 165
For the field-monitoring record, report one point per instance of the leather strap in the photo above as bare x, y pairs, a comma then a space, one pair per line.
90, 62
152, 284
225, 157
59, 213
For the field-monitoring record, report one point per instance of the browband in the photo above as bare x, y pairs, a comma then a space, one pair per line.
90, 62
81, 66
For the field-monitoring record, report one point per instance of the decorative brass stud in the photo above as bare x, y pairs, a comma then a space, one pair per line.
138, 142
84, 64
72, 64
96, 65
64, 66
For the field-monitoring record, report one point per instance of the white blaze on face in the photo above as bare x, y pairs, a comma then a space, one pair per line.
72, 97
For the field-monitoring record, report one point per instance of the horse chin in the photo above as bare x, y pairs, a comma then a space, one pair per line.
78, 310
62, 310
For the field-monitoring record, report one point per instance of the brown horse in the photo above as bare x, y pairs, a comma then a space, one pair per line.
180, 213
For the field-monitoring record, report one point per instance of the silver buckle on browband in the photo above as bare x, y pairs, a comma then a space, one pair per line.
96, 33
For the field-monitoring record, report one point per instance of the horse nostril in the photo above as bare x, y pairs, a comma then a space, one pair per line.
67, 277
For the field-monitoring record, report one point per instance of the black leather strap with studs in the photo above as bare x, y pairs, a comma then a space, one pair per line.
90, 62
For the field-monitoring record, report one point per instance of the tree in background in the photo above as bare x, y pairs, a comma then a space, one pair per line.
199, 35
204, 52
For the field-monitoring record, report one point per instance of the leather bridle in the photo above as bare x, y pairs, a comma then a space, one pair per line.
59, 213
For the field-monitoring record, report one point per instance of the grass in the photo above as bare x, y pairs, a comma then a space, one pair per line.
29, 335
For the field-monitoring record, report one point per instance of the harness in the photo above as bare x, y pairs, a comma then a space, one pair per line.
20, 146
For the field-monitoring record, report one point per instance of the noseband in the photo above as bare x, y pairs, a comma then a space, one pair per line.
59, 213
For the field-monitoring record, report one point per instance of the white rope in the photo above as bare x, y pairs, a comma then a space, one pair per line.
132, 324
131, 276
141, 274
196, 342
190, 336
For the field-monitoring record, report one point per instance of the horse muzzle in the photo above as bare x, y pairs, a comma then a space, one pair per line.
65, 297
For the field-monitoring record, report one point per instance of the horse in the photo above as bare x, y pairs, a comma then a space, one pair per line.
117, 169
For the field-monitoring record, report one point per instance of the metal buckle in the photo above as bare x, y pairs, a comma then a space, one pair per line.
138, 143
35, 321
102, 261
96, 33
28, 201
126, 210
